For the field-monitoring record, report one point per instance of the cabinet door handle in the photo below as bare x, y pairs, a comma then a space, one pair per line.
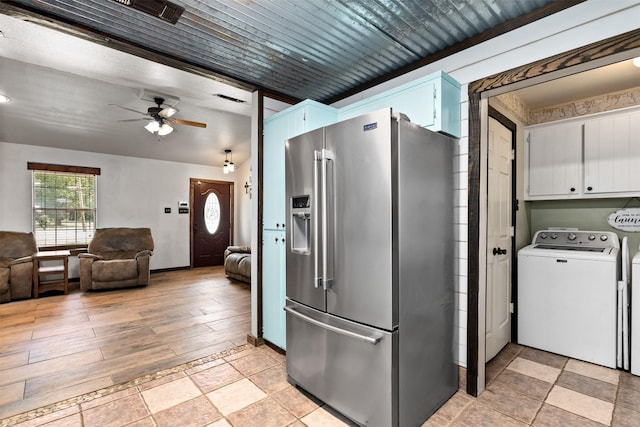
573, 189
589, 188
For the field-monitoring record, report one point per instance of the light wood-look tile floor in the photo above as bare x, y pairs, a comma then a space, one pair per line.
56, 347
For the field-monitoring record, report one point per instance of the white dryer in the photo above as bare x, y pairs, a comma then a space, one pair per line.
567, 294
635, 315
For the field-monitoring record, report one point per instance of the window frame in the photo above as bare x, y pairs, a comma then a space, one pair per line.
63, 169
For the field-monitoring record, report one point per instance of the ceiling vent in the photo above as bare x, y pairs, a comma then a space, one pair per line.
229, 98
162, 9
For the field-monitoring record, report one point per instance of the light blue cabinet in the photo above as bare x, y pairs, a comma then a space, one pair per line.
273, 283
293, 121
432, 102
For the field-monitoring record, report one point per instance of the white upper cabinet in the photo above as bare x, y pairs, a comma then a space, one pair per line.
589, 157
612, 154
554, 158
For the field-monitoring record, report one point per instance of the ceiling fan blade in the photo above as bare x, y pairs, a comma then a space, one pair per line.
188, 123
128, 109
137, 120
168, 112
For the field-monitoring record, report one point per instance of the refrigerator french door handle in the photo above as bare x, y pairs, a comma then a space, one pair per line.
327, 277
369, 339
317, 155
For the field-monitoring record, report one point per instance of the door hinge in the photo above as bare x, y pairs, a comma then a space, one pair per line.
513, 154
512, 231
511, 309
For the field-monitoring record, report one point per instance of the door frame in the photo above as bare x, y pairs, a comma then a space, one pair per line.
614, 49
507, 123
192, 185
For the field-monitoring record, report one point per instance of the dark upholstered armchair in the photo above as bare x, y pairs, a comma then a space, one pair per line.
16, 265
237, 263
116, 258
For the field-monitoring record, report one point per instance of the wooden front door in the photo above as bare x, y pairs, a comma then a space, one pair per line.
211, 221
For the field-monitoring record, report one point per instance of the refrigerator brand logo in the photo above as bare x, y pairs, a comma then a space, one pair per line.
370, 126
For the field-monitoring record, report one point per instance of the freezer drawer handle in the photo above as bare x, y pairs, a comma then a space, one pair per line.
371, 340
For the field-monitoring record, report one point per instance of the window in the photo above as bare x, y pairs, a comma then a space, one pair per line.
64, 204
212, 213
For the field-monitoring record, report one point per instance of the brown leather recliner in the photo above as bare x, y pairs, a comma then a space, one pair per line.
16, 265
116, 258
237, 263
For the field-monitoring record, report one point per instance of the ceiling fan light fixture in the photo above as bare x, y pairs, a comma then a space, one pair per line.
168, 112
165, 129
153, 126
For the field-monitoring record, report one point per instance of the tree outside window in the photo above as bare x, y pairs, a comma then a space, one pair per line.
64, 208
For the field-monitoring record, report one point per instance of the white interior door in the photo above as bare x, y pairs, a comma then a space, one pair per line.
498, 317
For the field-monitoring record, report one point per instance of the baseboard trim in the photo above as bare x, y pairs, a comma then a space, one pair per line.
163, 270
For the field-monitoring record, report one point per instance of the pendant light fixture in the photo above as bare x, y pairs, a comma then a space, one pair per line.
227, 167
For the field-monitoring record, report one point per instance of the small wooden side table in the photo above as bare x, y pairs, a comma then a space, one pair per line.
58, 284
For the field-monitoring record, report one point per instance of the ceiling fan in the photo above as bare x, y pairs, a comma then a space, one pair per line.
160, 117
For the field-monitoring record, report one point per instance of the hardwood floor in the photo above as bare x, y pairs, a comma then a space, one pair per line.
59, 346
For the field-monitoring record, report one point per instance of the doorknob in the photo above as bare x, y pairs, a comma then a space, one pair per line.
499, 251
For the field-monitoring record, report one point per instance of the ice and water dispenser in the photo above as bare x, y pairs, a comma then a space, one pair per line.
301, 224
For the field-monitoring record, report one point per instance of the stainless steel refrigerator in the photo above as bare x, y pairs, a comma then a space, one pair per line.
369, 268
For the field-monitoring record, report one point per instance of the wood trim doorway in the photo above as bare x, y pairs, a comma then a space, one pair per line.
194, 183
591, 56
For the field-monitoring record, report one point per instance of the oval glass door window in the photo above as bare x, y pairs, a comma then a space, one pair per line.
212, 213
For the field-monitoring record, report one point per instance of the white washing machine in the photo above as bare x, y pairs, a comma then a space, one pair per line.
635, 315
568, 294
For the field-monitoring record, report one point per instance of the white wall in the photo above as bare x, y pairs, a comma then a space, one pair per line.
132, 192
242, 230
580, 25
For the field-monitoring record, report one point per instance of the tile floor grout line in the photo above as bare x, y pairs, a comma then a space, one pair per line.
544, 400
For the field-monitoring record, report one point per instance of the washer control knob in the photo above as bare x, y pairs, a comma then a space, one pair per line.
604, 237
572, 236
592, 237
543, 235
554, 236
